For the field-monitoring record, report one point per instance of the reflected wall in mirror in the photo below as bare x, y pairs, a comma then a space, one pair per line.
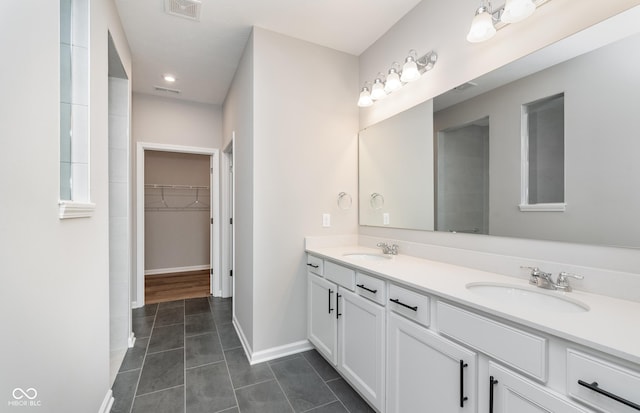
483, 151
395, 169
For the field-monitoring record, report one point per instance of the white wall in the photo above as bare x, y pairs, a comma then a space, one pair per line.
425, 28
238, 120
298, 154
55, 293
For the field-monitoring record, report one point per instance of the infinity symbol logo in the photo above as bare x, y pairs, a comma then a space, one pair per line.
30, 393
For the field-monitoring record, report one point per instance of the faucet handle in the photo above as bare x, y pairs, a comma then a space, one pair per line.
535, 273
563, 280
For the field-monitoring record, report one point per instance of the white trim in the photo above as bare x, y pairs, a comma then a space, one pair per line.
555, 207
132, 339
70, 209
105, 407
280, 351
226, 214
270, 353
177, 269
134, 304
215, 192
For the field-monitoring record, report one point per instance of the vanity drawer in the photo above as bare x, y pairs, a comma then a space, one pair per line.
314, 264
410, 304
340, 275
371, 287
519, 349
617, 380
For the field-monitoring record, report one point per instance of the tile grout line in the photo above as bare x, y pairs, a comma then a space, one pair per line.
135, 392
281, 389
160, 390
327, 381
255, 384
224, 357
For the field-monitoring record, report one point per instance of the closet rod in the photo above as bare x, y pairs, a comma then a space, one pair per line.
175, 186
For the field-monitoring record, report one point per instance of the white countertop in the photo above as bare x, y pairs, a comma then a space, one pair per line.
611, 325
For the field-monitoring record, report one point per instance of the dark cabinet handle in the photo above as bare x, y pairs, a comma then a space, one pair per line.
367, 289
492, 382
313, 265
463, 398
330, 292
594, 386
397, 301
338, 313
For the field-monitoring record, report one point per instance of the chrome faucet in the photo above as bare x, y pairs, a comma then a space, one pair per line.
544, 280
388, 249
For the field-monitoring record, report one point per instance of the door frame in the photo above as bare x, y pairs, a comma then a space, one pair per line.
227, 209
214, 232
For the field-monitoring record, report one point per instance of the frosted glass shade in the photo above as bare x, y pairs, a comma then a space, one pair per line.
365, 98
410, 71
393, 82
517, 10
377, 90
481, 27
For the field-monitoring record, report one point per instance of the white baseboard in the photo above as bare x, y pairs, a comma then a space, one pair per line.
176, 269
134, 304
270, 353
280, 351
105, 407
132, 339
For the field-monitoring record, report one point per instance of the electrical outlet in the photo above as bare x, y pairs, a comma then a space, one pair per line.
326, 220
385, 218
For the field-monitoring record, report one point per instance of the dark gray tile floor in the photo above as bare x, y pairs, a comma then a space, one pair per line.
188, 359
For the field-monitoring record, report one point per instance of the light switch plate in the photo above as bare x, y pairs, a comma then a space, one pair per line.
385, 218
326, 220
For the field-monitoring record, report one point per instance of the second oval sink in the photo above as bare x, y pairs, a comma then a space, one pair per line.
364, 256
525, 297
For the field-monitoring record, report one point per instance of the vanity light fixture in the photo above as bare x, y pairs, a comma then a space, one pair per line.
487, 21
412, 69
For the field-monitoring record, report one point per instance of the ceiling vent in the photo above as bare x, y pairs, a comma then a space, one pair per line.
166, 90
189, 9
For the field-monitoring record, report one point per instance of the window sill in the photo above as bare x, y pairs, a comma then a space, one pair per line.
559, 207
70, 209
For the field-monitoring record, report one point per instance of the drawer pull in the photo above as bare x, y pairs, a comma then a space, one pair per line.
463, 398
367, 289
313, 265
330, 292
594, 386
397, 301
492, 382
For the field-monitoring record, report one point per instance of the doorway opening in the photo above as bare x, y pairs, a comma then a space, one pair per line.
177, 222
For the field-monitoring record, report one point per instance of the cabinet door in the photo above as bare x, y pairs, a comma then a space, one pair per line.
321, 316
428, 373
509, 392
361, 340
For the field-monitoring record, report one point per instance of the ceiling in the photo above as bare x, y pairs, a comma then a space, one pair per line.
204, 54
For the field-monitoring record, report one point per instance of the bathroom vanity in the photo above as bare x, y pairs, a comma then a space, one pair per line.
414, 335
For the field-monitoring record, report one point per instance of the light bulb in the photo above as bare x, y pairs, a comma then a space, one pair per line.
410, 70
481, 27
377, 90
365, 98
169, 78
393, 82
517, 10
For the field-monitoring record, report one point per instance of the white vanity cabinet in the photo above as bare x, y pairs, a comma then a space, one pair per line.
347, 329
361, 345
426, 372
509, 393
322, 325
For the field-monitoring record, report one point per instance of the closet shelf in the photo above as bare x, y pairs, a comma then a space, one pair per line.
159, 186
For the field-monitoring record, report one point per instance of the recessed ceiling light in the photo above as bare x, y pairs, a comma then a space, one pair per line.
169, 78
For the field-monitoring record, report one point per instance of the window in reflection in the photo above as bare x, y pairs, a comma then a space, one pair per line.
543, 127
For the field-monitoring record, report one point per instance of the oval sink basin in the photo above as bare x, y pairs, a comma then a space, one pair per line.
528, 297
363, 256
